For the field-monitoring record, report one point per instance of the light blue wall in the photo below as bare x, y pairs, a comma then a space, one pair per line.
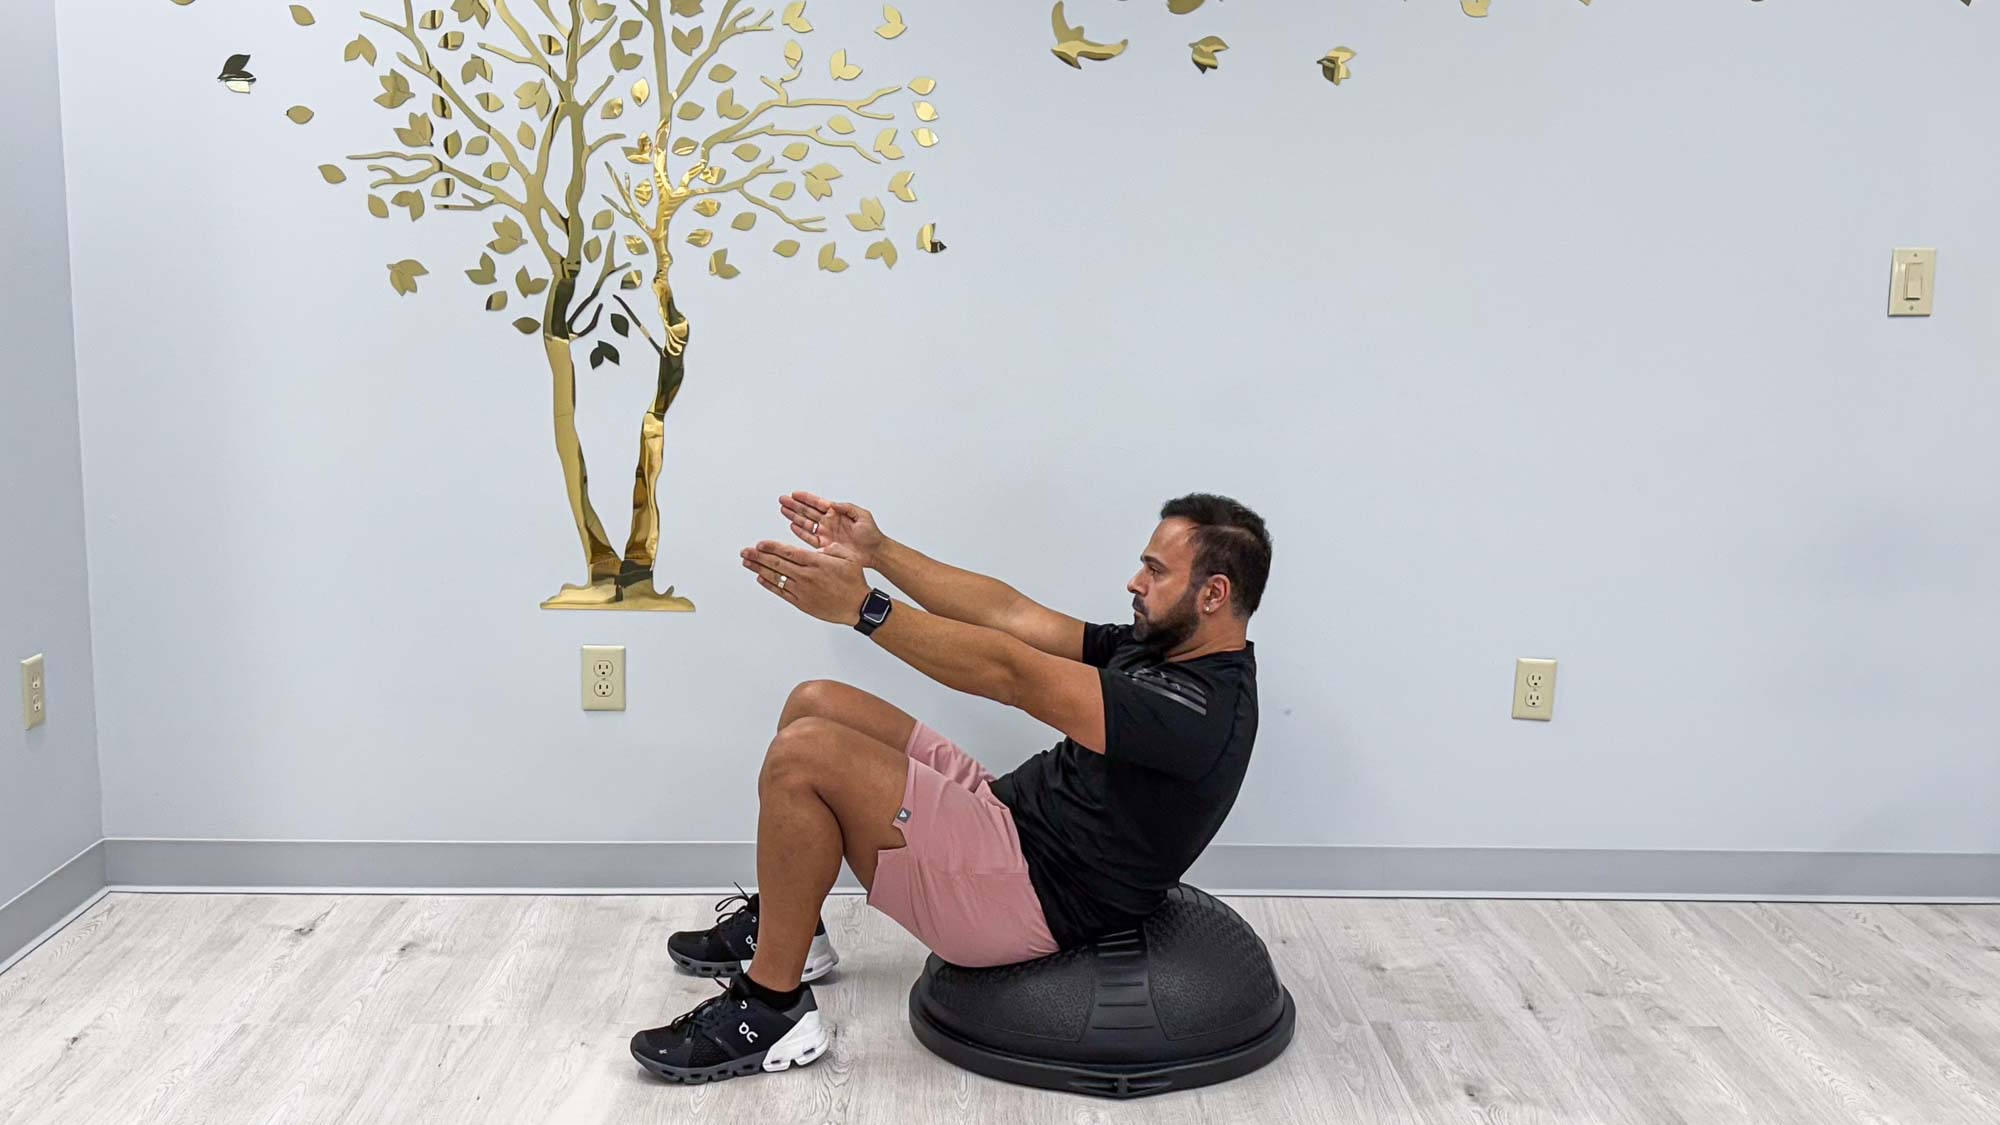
1559, 333
50, 803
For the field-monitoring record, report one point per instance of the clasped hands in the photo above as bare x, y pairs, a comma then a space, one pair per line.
830, 580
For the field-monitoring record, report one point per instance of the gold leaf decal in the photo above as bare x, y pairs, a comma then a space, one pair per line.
1071, 44
529, 284
453, 145
685, 146
498, 170
644, 192
304, 18
927, 239
712, 174
299, 114
926, 112
640, 92
700, 236
634, 244
840, 124
819, 179
687, 42
431, 20
623, 60
551, 45
1474, 7
476, 67
411, 201
478, 145
689, 111
718, 264
605, 350
783, 190
597, 11
795, 57
509, 239
440, 108
418, 133
633, 279
885, 144
830, 261
332, 174
526, 135
900, 187
892, 23
687, 9
797, 150
1204, 51
496, 301
452, 40
795, 17
1182, 7
602, 220
924, 137
613, 109
592, 249
885, 250
707, 208
869, 217
470, 11
841, 69
361, 49
727, 107
443, 187
719, 73
404, 274
744, 221
1334, 65
378, 207
485, 274
922, 87
491, 103
395, 90
746, 152
527, 326
785, 248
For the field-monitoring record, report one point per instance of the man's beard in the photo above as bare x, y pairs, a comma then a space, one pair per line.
1165, 633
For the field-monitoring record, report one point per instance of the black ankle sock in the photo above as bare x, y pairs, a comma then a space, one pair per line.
771, 996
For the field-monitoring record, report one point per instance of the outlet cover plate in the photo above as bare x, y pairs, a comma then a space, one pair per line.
34, 694
1534, 689
604, 677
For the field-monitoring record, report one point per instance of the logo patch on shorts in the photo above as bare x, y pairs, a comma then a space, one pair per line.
902, 815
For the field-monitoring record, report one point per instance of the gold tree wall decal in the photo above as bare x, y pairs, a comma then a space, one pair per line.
519, 108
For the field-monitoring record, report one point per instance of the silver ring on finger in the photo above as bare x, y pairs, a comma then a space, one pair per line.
815, 528
782, 579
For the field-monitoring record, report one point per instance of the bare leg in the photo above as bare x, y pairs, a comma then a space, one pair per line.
826, 791
850, 707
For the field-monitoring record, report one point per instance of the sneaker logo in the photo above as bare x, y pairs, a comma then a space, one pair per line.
748, 1035
752, 939
902, 816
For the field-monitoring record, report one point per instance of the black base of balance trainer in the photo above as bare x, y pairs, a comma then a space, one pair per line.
1188, 999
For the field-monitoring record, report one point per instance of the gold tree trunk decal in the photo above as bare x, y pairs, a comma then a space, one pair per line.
539, 152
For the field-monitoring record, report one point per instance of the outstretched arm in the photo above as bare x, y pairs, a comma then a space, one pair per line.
942, 589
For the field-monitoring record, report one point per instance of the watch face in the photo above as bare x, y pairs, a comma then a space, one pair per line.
876, 607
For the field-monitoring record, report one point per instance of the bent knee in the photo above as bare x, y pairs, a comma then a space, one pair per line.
798, 749
811, 699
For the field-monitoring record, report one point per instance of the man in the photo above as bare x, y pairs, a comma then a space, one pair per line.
1086, 838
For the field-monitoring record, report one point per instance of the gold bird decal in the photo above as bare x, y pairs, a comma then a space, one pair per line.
1334, 65
1205, 49
927, 239
1072, 46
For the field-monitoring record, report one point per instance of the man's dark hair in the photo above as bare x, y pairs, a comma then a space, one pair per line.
1230, 540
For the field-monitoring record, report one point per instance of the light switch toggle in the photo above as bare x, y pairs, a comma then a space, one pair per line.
1912, 282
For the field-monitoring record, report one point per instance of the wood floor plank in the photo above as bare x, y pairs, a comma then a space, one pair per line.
517, 1008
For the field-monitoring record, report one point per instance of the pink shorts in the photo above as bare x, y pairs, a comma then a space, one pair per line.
959, 883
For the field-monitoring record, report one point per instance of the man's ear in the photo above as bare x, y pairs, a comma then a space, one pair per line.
1215, 590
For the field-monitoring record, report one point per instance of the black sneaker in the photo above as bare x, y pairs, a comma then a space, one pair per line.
726, 948
732, 1034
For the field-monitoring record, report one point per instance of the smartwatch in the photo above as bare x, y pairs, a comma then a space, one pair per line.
874, 612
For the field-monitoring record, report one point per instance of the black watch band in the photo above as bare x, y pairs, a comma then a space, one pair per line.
874, 612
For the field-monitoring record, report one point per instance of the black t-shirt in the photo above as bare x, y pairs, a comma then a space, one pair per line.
1107, 835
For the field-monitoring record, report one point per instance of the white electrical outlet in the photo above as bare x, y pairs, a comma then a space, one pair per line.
604, 677
34, 694
1535, 689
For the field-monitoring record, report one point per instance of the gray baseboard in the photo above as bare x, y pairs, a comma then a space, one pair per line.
34, 913
654, 866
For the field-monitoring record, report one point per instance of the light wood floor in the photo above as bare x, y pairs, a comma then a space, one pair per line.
433, 1009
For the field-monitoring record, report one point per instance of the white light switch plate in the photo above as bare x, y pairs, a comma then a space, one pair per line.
34, 694
1912, 280
604, 677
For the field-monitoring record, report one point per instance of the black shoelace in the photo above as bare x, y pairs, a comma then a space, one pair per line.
705, 1015
741, 897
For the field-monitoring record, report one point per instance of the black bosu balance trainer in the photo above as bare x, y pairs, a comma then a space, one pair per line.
1188, 999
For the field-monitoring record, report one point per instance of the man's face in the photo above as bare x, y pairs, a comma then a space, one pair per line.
1163, 593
